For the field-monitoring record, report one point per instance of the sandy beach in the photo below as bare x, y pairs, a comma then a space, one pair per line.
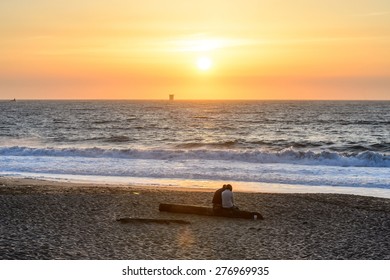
52, 220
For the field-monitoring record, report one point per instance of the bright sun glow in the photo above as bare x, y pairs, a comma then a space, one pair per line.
204, 63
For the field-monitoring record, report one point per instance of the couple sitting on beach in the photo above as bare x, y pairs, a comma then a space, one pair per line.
223, 199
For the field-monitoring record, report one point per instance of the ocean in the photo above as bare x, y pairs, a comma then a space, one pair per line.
294, 146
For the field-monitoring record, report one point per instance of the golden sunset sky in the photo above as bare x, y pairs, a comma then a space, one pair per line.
204, 49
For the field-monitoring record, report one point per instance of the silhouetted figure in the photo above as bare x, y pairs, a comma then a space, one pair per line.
217, 198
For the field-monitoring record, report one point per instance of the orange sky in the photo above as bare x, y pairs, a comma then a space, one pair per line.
148, 49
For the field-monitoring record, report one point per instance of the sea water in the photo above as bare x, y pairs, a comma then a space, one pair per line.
309, 146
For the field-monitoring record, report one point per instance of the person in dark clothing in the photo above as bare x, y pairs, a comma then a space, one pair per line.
217, 198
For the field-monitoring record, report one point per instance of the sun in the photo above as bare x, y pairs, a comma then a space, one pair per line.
204, 63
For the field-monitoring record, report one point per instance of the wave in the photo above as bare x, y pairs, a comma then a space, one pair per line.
350, 147
197, 145
117, 139
286, 156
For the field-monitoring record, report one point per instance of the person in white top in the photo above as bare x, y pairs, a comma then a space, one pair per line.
227, 198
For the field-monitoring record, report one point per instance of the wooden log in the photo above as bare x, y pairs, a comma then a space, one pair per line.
148, 221
186, 209
208, 211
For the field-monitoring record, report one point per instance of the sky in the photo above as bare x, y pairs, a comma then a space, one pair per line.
204, 49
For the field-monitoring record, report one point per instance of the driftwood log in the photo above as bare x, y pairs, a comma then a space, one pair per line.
149, 221
207, 211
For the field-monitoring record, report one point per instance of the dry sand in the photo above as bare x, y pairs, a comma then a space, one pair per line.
50, 220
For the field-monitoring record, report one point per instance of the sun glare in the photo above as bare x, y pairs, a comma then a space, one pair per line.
204, 63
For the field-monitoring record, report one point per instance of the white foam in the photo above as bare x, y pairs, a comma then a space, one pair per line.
289, 156
199, 169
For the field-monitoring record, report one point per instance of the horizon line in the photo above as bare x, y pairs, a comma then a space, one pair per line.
172, 101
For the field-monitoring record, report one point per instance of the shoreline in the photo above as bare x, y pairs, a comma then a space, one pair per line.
61, 220
197, 184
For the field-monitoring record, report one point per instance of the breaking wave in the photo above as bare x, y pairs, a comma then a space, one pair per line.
288, 156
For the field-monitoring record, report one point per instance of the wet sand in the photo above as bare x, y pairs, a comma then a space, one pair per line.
51, 220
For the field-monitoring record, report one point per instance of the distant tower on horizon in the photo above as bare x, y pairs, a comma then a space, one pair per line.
171, 97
